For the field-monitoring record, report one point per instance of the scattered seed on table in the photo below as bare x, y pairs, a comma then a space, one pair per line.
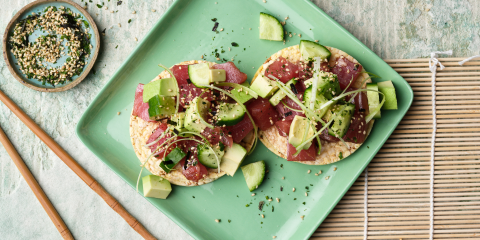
119, 25
136, 39
153, 10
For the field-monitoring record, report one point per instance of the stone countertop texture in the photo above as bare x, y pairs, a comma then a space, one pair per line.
391, 28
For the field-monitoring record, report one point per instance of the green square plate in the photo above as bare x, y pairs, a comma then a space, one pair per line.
185, 33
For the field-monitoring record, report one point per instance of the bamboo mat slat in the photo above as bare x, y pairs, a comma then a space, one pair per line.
398, 199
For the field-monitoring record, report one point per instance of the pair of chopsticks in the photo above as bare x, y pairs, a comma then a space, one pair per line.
71, 163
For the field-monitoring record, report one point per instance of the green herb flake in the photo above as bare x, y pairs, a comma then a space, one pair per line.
99, 6
340, 155
129, 20
234, 44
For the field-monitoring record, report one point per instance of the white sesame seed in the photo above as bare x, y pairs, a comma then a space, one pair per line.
263, 216
302, 217
221, 29
118, 113
253, 194
306, 194
218, 59
335, 169
112, 11
309, 171
119, 25
217, 220
274, 237
136, 39
293, 189
134, 12
283, 178
320, 172
153, 10
278, 199
327, 177
270, 200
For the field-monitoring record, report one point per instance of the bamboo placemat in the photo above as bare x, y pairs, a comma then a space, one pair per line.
398, 177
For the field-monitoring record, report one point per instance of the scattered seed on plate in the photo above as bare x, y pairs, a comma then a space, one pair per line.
327, 177
293, 189
112, 11
306, 194
253, 194
274, 237
106, 8
278, 199
118, 113
263, 216
290, 35
299, 35
316, 40
201, 57
218, 59
250, 29
283, 178
270, 199
309, 171
264, 1
302, 217
217, 220
320, 172
316, 174
286, 18
335, 169
221, 29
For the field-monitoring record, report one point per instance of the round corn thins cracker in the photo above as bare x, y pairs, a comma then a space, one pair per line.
140, 132
330, 151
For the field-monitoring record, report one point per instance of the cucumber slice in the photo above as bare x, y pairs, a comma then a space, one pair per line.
207, 157
172, 159
310, 49
232, 159
199, 74
328, 84
388, 89
279, 95
270, 28
254, 174
373, 99
229, 114
340, 125
317, 103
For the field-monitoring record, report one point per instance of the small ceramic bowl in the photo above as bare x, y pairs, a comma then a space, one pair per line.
39, 6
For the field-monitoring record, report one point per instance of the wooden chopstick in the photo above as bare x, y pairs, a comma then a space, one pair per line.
72, 164
37, 190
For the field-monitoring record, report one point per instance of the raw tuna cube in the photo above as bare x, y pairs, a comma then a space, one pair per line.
216, 135
283, 127
304, 155
193, 171
263, 113
140, 109
234, 75
287, 113
346, 71
181, 74
188, 92
162, 151
357, 131
282, 69
241, 129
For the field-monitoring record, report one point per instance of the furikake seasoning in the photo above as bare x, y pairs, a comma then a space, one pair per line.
59, 25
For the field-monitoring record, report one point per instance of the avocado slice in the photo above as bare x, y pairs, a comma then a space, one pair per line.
192, 122
161, 107
162, 87
241, 94
156, 187
263, 86
297, 131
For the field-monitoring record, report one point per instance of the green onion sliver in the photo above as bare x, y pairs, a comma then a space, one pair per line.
249, 91
176, 85
201, 118
244, 108
316, 69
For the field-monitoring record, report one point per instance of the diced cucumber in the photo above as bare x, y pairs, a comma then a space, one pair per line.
162, 87
232, 159
254, 174
317, 103
207, 157
310, 49
342, 122
229, 114
263, 86
191, 121
172, 159
373, 99
270, 28
161, 107
279, 95
388, 89
328, 84
199, 74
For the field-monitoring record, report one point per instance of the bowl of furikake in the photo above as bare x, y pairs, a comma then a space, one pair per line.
51, 46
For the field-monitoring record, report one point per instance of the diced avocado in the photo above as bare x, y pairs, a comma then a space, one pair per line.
242, 94
207, 157
317, 103
229, 114
172, 159
279, 95
156, 187
254, 174
162, 87
373, 99
192, 122
341, 123
263, 86
217, 75
298, 130
232, 159
161, 107
310, 49
177, 120
388, 89
328, 84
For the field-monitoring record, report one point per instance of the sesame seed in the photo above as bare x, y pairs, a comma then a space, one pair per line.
274, 237
118, 113
134, 12
327, 177
278, 199
136, 39
264, 1
290, 35
217, 220
306, 194
112, 11
263, 216
250, 29
316, 40
293, 189
153, 10
299, 35
218, 59
270, 200
283, 178
253, 194
221, 29
119, 25
320, 172
303, 216
316, 174
309, 171
106, 8
335, 169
